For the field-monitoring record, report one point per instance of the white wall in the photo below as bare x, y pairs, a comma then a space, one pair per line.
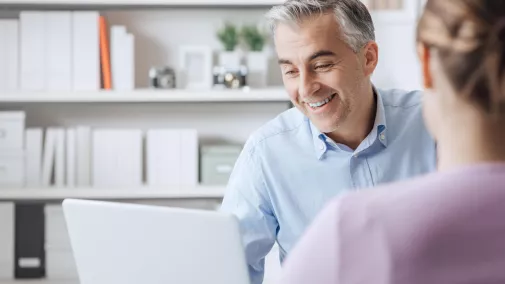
398, 64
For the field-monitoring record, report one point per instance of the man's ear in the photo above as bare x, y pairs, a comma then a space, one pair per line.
425, 57
371, 54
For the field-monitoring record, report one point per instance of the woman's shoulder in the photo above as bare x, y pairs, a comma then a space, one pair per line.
446, 192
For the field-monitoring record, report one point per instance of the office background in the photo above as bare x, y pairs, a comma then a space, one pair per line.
138, 101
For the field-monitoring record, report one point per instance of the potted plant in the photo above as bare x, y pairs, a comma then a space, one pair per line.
229, 37
257, 58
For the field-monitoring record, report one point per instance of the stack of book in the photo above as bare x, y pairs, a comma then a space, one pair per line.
82, 157
64, 51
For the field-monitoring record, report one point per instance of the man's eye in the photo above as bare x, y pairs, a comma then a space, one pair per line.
324, 66
290, 72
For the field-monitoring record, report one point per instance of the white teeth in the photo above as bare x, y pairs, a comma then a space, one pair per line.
321, 103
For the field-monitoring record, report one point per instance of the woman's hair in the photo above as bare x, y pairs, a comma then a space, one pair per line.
469, 37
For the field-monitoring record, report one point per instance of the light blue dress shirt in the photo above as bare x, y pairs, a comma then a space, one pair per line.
288, 170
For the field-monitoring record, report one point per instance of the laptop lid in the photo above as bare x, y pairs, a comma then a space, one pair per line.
132, 243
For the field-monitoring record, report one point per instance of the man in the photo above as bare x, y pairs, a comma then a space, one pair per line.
342, 135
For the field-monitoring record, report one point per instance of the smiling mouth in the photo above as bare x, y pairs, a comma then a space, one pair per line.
322, 103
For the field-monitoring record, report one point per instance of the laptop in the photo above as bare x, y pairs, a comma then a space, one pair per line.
120, 243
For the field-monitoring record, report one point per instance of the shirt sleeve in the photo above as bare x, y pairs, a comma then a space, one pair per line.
246, 198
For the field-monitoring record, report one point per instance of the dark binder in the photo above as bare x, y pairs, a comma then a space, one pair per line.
30, 259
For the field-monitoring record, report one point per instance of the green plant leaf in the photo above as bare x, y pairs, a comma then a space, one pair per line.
229, 36
254, 39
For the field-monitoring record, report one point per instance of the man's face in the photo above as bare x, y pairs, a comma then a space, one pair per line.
321, 73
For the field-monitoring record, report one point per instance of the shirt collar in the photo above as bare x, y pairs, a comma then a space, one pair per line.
378, 130
319, 140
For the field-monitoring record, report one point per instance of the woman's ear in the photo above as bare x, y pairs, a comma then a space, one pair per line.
424, 57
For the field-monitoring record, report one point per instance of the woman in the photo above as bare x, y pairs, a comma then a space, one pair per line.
447, 227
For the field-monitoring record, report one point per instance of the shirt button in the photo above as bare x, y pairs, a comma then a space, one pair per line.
322, 146
355, 155
382, 136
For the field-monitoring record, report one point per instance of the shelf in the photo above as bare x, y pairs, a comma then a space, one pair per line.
46, 194
145, 2
154, 96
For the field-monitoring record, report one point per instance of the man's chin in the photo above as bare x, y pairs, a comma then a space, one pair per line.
326, 126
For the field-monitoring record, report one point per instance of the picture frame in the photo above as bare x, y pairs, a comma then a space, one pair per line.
195, 65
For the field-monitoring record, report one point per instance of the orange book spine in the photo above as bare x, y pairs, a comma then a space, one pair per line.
105, 55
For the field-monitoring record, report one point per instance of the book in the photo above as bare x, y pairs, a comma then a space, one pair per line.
49, 157
117, 159
83, 156
71, 158
33, 141
122, 59
60, 161
33, 50
86, 51
163, 161
58, 50
105, 55
9, 50
29, 252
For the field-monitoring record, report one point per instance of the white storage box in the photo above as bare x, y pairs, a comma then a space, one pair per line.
172, 157
117, 158
12, 126
12, 169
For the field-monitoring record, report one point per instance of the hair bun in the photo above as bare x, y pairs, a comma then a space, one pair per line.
498, 33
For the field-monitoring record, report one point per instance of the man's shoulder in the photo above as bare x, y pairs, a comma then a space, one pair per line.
284, 124
398, 98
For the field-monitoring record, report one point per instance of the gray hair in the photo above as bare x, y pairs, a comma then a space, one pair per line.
352, 15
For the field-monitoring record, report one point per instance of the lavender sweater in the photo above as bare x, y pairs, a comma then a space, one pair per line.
442, 228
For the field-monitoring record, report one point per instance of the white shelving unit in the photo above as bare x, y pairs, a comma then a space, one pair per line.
145, 193
147, 95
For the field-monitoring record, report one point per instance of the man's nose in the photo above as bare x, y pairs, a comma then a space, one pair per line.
308, 85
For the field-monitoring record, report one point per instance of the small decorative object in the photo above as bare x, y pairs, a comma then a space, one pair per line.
230, 78
162, 78
196, 67
229, 37
257, 58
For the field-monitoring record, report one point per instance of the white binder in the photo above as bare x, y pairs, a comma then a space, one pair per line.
86, 51
33, 50
83, 143
117, 158
33, 140
71, 158
59, 51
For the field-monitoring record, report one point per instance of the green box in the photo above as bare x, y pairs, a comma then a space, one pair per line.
217, 162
